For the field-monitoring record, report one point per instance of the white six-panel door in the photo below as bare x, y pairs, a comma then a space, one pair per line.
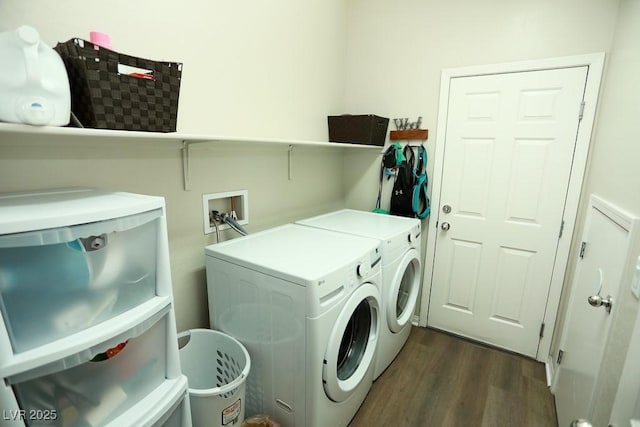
509, 148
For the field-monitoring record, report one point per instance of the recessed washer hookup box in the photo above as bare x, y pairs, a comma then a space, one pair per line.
358, 129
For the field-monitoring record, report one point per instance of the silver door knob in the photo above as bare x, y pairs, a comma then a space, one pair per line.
598, 301
445, 226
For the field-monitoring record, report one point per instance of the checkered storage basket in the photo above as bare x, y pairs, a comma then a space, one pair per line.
104, 98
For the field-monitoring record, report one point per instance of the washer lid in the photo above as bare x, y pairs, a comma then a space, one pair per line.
362, 223
294, 252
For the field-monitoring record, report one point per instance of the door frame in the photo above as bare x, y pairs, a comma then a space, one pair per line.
595, 62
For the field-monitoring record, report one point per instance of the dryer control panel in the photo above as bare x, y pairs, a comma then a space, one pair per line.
336, 286
396, 247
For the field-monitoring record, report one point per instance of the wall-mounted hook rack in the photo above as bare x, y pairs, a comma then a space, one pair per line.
411, 134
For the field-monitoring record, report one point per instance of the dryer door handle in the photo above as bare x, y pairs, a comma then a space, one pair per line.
374, 263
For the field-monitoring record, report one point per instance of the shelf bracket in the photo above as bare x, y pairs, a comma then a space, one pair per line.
186, 154
289, 155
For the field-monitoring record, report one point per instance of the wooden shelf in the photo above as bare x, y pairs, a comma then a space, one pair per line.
413, 134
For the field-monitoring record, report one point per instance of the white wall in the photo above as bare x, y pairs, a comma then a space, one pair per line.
251, 68
396, 51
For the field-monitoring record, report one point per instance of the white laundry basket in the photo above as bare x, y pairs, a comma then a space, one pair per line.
216, 366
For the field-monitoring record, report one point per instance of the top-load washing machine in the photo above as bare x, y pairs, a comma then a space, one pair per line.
401, 272
305, 303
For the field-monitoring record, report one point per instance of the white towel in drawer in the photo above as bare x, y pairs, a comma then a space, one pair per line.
57, 282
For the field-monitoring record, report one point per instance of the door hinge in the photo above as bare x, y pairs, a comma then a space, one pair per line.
541, 330
583, 247
581, 113
561, 229
560, 354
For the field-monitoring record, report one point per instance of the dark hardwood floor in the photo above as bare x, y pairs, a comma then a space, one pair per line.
441, 380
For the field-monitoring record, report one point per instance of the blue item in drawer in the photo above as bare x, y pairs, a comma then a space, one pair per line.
29, 267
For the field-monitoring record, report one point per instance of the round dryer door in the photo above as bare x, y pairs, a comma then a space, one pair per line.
352, 343
403, 292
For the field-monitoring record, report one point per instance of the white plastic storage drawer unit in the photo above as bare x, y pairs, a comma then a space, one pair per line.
87, 326
56, 282
176, 415
96, 386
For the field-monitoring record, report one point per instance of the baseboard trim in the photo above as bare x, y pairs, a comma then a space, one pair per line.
548, 367
415, 321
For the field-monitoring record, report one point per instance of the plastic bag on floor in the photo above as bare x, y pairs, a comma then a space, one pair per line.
260, 421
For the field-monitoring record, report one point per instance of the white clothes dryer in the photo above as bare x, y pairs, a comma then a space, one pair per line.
401, 271
305, 303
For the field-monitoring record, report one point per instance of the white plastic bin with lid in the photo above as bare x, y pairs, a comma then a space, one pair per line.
216, 366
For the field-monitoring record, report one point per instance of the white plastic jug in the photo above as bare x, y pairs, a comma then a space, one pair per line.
34, 87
